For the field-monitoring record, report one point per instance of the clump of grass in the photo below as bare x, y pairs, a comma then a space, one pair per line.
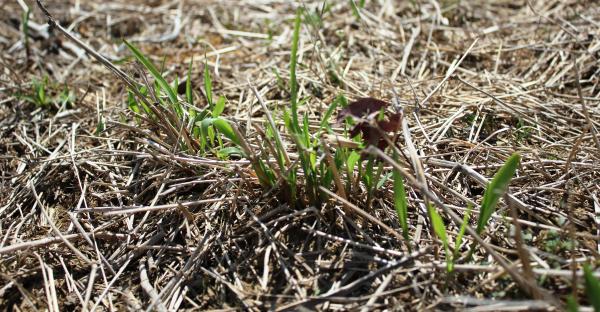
314, 173
300, 181
160, 80
195, 129
38, 96
315, 166
48, 95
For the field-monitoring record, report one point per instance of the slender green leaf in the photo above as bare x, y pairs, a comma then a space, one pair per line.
463, 228
40, 92
25, 26
592, 287
264, 174
222, 125
208, 84
325, 121
459, 237
369, 173
210, 133
440, 230
229, 151
330, 110
306, 136
355, 11
293, 61
496, 189
353, 158
226, 129
343, 101
384, 179
219, 107
327, 176
101, 126
175, 83
132, 103
164, 85
188, 85
572, 305
438, 224
378, 177
400, 202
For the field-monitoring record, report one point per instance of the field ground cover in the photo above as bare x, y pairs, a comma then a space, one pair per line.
317, 155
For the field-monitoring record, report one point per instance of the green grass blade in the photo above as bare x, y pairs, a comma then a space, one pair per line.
25, 27
175, 83
440, 230
351, 162
592, 288
208, 85
188, 85
461, 234
369, 173
463, 228
305, 131
226, 152
438, 225
572, 305
222, 125
400, 202
383, 180
225, 128
355, 11
132, 103
496, 189
353, 158
325, 121
380, 179
219, 107
155, 73
293, 62
40, 92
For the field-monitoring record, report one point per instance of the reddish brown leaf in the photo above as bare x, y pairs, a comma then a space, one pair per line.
392, 124
367, 109
362, 108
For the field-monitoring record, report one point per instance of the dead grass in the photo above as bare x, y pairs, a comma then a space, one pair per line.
122, 219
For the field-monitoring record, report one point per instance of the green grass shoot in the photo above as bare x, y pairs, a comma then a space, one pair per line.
496, 189
164, 85
592, 287
355, 10
208, 85
189, 96
400, 202
440, 230
293, 63
25, 27
572, 305
459, 237
219, 106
